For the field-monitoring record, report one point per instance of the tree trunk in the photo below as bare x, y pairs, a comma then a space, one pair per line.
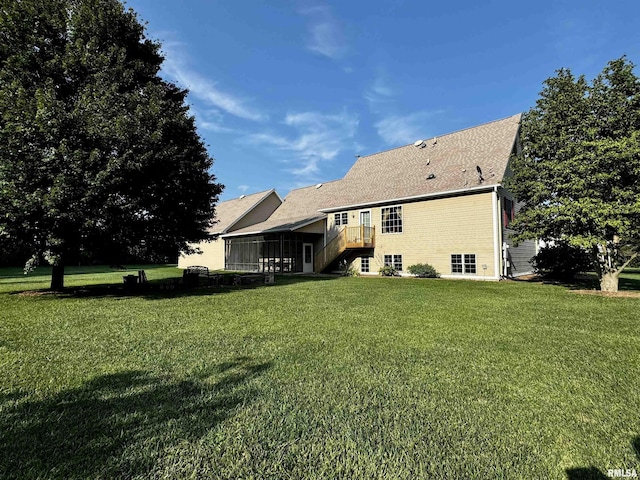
57, 277
609, 282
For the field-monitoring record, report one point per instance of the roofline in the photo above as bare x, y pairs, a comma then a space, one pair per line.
448, 193
272, 230
227, 235
446, 134
315, 185
246, 212
305, 224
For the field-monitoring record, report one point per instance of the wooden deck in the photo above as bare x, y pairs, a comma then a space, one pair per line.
349, 238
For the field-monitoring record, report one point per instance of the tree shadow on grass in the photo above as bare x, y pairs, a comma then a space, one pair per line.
589, 281
629, 284
593, 473
118, 426
15, 275
585, 473
159, 289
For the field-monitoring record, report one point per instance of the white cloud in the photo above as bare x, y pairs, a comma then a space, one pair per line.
393, 128
212, 120
243, 188
326, 36
403, 129
379, 93
205, 89
318, 139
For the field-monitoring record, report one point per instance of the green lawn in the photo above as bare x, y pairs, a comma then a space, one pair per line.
317, 378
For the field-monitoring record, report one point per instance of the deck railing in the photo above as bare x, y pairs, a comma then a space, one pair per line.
360, 237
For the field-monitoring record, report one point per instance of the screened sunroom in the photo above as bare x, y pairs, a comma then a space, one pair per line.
276, 252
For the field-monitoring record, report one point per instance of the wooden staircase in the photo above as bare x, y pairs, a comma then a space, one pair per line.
348, 239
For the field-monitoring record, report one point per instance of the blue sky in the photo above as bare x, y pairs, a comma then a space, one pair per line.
287, 92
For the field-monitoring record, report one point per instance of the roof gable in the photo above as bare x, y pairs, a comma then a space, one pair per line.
230, 212
300, 208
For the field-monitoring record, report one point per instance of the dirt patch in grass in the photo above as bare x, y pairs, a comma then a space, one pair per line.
37, 293
600, 293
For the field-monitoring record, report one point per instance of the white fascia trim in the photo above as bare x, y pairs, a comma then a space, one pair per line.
271, 230
228, 235
407, 199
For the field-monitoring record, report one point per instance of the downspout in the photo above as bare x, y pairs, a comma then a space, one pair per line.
497, 234
324, 247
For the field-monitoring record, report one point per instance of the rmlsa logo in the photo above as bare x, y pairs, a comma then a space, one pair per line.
620, 473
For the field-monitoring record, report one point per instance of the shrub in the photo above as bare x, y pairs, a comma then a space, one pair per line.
350, 271
423, 270
388, 271
561, 261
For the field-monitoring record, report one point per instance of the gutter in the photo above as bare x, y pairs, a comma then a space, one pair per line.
415, 197
272, 229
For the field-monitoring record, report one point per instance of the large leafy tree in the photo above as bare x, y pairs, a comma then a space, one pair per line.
94, 145
578, 173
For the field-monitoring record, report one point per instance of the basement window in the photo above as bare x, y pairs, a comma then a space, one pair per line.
364, 264
463, 263
394, 261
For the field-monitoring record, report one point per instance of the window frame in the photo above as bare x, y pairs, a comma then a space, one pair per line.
393, 260
464, 264
363, 261
470, 268
341, 218
395, 226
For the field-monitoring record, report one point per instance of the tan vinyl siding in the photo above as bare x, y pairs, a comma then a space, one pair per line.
333, 229
316, 227
259, 214
432, 230
212, 256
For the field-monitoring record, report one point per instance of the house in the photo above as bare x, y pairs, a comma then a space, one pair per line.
439, 201
230, 216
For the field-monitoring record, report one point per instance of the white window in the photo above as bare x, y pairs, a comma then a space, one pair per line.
341, 218
394, 261
391, 219
364, 264
463, 263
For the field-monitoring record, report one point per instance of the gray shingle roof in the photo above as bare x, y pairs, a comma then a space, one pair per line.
230, 211
299, 208
403, 172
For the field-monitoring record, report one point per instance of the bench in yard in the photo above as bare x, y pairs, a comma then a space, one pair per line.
192, 275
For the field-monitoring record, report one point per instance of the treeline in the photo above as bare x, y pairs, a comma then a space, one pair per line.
17, 255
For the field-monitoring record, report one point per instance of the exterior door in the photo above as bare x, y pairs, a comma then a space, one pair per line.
307, 257
365, 220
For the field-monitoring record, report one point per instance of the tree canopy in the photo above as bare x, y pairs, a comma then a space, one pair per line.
578, 173
95, 146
